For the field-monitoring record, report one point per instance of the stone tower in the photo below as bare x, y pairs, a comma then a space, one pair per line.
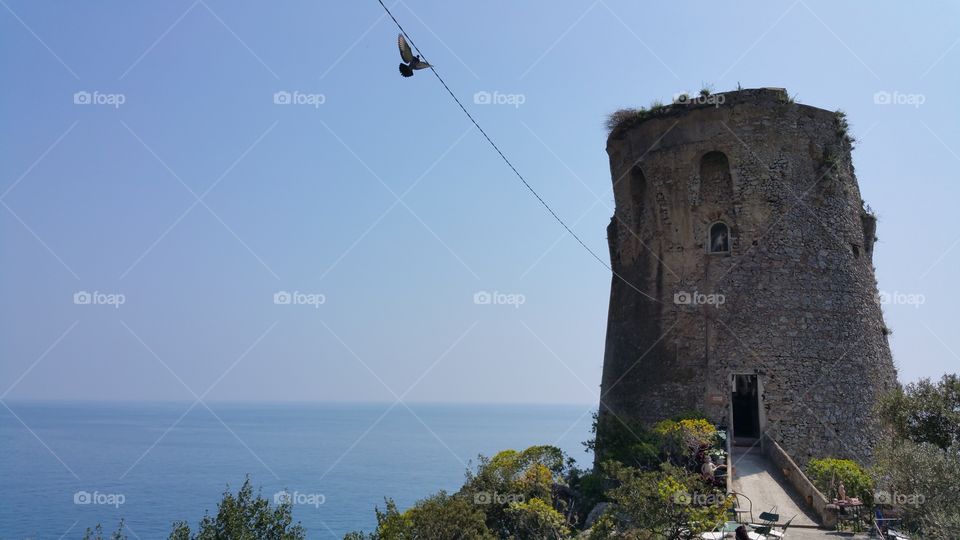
744, 284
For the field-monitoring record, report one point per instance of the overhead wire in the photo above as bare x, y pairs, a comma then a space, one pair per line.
507, 160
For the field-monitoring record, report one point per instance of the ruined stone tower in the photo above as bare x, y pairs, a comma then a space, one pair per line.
744, 282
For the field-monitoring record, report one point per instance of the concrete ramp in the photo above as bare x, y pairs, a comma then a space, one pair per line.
755, 476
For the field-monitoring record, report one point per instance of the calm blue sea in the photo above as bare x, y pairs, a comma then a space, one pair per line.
152, 464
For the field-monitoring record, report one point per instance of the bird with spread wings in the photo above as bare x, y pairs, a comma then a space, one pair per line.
411, 61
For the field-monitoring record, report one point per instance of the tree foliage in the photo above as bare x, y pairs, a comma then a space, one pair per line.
518, 477
437, 516
625, 441
925, 412
922, 480
670, 503
535, 518
244, 516
96, 533
918, 468
827, 474
681, 440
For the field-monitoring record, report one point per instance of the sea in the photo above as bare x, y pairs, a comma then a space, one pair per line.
67, 466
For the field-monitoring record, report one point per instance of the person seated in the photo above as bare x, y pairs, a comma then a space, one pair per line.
742, 533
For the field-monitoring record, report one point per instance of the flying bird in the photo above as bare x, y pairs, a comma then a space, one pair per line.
411, 61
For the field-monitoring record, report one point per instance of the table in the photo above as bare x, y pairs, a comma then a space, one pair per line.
729, 530
849, 511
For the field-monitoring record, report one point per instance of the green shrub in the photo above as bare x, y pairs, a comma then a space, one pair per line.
590, 489
681, 440
437, 516
511, 477
827, 474
921, 481
244, 515
925, 412
536, 518
918, 468
668, 503
625, 441
96, 533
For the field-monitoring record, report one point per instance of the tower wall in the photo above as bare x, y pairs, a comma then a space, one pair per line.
792, 301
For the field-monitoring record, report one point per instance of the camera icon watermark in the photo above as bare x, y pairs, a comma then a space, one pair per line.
884, 97
297, 97
497, 298
698, 499
684, 298
96, 97
109, 499
900, 299
898, 499
688, 98
97, 298
298, 498
498, 98
488, 497
297, 298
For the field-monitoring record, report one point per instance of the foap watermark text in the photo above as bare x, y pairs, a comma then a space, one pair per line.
297, 298
695, 298
884, 97
488, 497
107, 499
497, 298
299, 98
499, 98
898, 298
299, 498
685, 98
896, 498
97, 97
97, 298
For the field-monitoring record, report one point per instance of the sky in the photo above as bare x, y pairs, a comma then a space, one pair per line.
205, 199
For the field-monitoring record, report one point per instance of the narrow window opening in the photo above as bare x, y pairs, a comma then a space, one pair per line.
719, 238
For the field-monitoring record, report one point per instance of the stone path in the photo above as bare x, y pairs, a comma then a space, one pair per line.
757, 478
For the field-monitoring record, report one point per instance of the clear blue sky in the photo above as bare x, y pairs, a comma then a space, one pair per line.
302, 198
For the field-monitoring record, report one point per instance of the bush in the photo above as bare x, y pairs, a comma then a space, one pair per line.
925, 412
669, 503
921, 480
590, 489
827, 474
512, 476
918, 468
625, 441
244, 516
437, 516
681, 440
96, 533
536, 519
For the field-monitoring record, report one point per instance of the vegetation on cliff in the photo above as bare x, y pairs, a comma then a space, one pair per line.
646, 487
648, 480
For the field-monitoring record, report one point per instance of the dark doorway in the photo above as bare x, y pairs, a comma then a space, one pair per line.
746, 407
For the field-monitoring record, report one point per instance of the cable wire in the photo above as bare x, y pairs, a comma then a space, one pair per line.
506, 160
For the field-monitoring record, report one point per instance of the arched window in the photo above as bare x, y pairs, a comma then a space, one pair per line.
719, 238
716, 183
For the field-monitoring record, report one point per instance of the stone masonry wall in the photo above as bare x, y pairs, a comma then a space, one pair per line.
799, 295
